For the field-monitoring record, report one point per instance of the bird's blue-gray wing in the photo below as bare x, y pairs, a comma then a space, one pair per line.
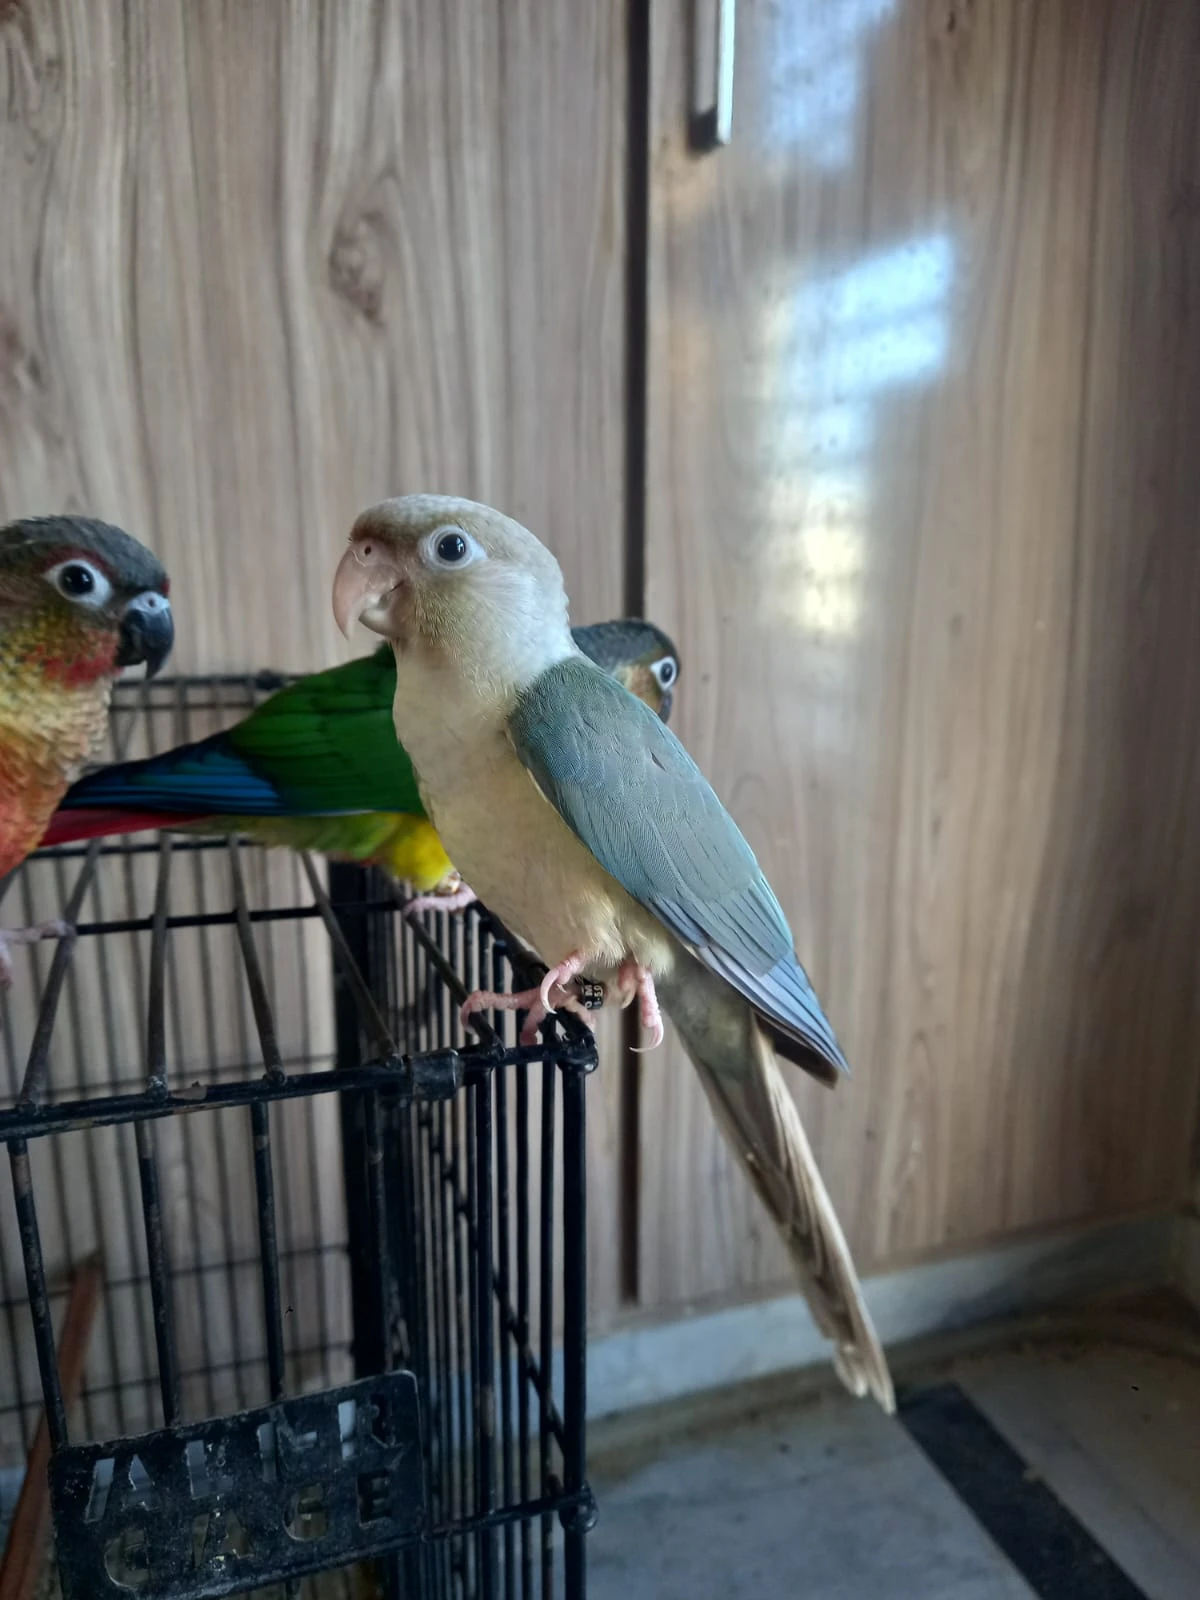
629, 790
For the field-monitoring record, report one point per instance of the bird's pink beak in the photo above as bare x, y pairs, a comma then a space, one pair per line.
365, 585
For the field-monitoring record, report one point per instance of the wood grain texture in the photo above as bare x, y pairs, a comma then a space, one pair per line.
267, 264
262, 266
923, 499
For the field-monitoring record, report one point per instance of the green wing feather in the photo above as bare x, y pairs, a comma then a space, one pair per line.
329, 743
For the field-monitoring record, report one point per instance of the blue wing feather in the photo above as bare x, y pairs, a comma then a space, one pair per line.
203, 777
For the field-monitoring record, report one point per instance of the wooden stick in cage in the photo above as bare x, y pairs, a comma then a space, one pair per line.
21, 1565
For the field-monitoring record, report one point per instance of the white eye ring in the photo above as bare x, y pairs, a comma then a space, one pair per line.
665, 672
450, 549
81, 582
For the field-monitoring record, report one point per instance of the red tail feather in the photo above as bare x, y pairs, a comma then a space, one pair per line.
68, 827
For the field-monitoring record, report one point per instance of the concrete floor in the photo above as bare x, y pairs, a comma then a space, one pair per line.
831, 1501
826, 1499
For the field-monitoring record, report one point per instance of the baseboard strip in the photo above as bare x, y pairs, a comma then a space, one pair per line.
646, 1365
1187, 1257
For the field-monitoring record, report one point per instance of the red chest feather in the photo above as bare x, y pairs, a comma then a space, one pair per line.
74, 664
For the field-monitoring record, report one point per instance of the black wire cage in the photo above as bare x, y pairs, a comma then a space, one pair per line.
339, 1345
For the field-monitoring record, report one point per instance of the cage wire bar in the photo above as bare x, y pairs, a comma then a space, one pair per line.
433, 1425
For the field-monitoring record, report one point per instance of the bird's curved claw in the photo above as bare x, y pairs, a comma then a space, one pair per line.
633, 979
559, 977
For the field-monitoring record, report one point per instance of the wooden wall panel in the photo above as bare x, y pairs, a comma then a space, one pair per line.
266, 264
263, 265
923, 509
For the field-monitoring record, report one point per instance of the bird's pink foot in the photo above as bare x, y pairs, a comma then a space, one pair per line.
456, 900
551, 995
494, 1000
529, 1000
564, 1000
34, 935
634, 979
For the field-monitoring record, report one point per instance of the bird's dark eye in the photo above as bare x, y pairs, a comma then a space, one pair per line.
665, 671
80, 581
451, 547
76, 580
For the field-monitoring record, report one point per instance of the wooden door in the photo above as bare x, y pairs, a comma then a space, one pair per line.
924, 492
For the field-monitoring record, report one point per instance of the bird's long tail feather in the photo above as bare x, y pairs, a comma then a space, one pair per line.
759, 1119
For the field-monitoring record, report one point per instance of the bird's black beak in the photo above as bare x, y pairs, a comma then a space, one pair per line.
147, 632
665, 704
